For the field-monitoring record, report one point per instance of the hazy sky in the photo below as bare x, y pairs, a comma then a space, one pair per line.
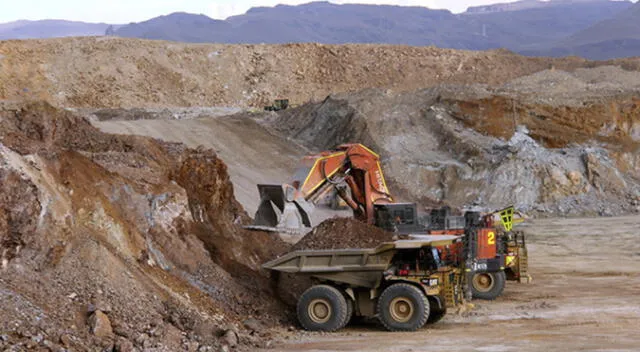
125, 11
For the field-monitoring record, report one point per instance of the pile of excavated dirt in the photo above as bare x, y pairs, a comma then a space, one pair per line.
132, 73
112, 242
340, 233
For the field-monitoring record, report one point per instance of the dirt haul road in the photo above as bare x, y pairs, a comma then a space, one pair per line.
585, 296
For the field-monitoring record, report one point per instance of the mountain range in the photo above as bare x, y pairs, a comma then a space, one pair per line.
49, 29
618, 36
595, 29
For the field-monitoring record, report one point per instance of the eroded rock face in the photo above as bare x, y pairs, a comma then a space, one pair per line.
557, 184
476, 146
123, 225
19, 212
602, 174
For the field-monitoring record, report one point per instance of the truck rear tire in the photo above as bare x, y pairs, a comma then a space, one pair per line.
322, 308
403, 307
350, 311
488, 286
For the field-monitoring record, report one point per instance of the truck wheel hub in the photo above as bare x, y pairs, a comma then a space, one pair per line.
401, 309
319, 311
483, 282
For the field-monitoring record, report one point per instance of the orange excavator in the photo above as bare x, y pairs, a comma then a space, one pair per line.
351, 169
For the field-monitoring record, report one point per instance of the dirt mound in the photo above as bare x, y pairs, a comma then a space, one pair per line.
119, 240
117, 72
339, 233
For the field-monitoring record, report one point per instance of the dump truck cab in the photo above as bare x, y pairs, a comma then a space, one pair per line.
490, 252
404, 283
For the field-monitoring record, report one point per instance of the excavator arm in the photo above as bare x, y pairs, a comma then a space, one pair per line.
349, 166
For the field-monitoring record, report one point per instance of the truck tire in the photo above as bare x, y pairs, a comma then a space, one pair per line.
350, 310
322, 308
488, 286
403, 307
435, 312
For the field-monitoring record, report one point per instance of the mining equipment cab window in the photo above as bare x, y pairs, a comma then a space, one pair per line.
419, 259
403, 217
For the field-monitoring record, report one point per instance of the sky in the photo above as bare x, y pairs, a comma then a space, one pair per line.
125, 11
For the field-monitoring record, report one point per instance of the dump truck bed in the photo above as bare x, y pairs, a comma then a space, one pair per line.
351, 259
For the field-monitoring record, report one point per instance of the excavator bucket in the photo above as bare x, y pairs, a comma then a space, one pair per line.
280, 209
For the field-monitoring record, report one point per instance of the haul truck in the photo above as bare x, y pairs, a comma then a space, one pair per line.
405, 284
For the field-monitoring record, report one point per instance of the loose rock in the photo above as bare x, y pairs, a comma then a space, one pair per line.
230, 338
100, 325
123, 345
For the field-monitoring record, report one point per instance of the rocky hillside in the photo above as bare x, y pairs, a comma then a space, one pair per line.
529, 25
550, 143
553, 143
114, 72
123, 241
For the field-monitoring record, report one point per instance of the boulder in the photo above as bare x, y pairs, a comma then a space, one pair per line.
100, 325
230, 338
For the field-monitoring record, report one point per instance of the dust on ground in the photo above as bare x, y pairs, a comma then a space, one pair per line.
585, 296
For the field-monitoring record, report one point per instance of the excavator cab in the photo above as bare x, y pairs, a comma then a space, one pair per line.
401, 218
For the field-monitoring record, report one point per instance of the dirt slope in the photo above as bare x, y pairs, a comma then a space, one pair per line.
252, 154
112, 72
572, 149
145, 232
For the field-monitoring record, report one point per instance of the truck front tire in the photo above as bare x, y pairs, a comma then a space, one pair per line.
403, 307
436, 313
488, 286
322, 308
